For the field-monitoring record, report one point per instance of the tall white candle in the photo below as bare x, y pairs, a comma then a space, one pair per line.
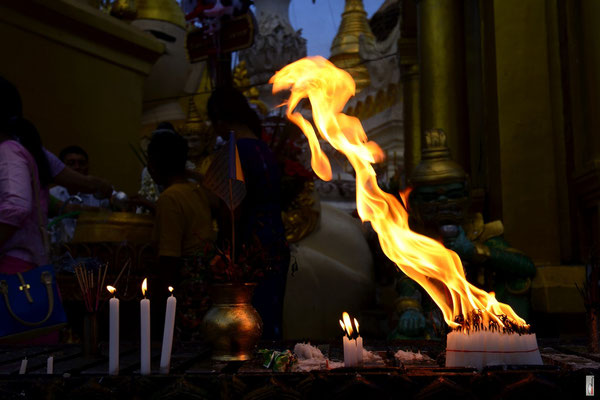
347, 352
50, 365
113, 336
167, 344
23, 368
145, 331
359, 344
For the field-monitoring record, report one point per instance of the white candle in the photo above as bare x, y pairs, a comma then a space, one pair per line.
50, 365
23, 368
347, 352
113, 336
359, 343
167, 345
144, 332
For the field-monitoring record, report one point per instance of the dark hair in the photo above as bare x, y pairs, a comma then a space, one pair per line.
20, 129
73, 150
167, 151
230, 105
165, 125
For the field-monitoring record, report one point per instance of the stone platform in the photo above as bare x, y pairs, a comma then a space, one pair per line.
194, 375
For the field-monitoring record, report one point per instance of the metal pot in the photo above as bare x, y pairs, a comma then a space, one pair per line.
232, 325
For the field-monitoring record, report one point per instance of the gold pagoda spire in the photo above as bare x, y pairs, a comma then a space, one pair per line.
345, 45
162, 10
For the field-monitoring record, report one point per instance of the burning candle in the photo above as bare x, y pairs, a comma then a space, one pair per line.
481, 348
50, 365
165, 356
359, 344
144, 331
113, 333
350, 347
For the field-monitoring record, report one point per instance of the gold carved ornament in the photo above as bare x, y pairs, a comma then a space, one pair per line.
301, 218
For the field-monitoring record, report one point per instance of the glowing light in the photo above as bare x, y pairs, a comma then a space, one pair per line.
111, 289
347, 323
144, 286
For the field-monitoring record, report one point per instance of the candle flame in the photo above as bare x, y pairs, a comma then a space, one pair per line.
171, 289
437, 269
347, 323
111, 289
356, 325
343, 326
144, 286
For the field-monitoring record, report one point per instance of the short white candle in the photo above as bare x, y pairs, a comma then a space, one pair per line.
167, 344
145, 332
50, 365
23, 368
113, 336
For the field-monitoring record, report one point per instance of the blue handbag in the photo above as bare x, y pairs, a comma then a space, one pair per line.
31, 304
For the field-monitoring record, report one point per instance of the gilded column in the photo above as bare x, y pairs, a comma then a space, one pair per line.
409, 77
441, 69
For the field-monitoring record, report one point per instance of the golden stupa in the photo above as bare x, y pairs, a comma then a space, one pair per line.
162, 10
345, 45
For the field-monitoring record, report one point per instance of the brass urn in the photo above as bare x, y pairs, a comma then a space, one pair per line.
232, 325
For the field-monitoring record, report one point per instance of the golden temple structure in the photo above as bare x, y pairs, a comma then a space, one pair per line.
345, 45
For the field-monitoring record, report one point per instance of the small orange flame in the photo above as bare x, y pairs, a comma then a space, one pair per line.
111, 289
171, 289
356, 325
343, 326
347, 323
144, 286
423, 259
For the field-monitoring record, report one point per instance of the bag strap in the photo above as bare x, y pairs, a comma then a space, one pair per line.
38, 206
47, 281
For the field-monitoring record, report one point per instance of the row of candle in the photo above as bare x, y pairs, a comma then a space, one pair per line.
353, 346
167, 344
481, 348
49, 366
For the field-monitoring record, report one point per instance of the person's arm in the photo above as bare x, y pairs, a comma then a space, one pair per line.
76, 182
16, 191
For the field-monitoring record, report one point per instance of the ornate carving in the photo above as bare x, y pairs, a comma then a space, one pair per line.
276, 44
301, 218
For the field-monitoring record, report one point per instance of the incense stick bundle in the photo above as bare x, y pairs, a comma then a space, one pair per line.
90, 286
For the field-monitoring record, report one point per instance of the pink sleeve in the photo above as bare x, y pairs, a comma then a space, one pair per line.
56, 166
16, 197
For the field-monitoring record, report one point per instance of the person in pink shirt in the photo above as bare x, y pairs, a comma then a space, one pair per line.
25, 165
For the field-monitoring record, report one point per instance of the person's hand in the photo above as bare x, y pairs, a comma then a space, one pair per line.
136, 200
103, 188
461, 245
412, 323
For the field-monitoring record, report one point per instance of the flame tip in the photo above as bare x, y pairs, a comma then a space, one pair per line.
144, 286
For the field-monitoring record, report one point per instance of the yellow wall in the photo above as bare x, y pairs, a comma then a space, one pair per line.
80, 73
527, 126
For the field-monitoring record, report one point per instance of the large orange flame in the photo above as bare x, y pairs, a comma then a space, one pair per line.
423, 259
